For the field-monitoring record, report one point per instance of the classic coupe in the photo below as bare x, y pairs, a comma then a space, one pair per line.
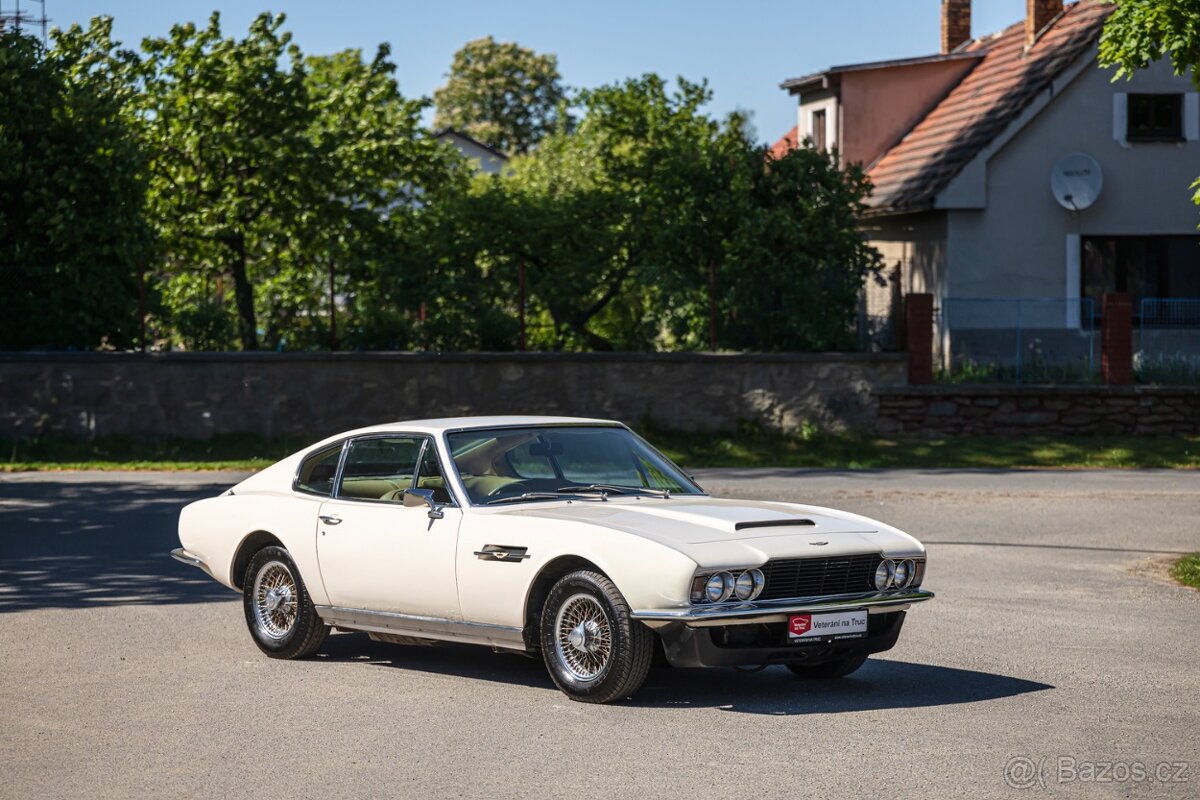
572, 539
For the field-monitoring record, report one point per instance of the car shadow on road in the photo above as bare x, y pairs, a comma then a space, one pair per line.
96, 544
459, 660
879, 684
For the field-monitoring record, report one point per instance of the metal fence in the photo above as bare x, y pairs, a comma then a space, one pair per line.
1016, 340
878, 332
1166, 346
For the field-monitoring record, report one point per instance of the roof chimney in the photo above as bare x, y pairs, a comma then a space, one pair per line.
1038, 14
956, 23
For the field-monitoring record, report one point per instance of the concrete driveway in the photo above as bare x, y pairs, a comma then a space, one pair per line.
1055, 647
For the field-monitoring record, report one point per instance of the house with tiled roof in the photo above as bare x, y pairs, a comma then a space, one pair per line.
961, 147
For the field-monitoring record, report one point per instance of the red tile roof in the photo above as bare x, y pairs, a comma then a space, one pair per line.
981, 106
790, 141
910, 175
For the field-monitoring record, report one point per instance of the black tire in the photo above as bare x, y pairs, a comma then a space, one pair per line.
830, 669
623, 647
276, 632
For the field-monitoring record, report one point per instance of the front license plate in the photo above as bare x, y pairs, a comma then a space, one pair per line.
839, 625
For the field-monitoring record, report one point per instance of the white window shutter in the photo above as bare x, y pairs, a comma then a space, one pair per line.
1121, 117
1191, 116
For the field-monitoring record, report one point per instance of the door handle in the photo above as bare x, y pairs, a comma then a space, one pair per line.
330, 519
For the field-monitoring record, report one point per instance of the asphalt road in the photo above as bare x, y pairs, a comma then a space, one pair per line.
1054, 636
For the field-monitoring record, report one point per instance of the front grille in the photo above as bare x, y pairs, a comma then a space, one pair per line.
811, 577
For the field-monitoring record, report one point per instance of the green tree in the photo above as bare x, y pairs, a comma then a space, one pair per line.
596, 210
72, 236
383, 171
502, 94
794, 263
623, 222
1140, 32
233, 175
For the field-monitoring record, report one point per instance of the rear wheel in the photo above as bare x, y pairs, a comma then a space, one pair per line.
282, 619
830, 669
594, 649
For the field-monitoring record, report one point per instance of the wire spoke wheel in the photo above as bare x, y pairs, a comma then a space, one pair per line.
583, 637
275, 600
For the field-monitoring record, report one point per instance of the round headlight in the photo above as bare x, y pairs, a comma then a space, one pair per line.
759, 583
903, 573
743, 588
719, 587
884, 573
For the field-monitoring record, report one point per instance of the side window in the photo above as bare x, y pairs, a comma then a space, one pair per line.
317, 471
429, 475
380, 468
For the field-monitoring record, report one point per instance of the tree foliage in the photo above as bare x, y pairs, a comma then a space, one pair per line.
72, 232
620, 220
232, 172
298, 202
1139, 32
502, 94
274, 171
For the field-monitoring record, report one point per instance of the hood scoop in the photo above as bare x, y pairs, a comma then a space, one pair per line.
774, 523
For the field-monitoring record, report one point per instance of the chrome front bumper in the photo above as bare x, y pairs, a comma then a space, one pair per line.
778, 610
191, 559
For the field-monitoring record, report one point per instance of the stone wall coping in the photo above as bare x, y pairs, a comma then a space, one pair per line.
425, 357
1031, 390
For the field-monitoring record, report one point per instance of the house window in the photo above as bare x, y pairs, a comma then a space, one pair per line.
1154, 118
1143, 266
818, 130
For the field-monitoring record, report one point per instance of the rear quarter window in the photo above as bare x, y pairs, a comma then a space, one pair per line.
318, 470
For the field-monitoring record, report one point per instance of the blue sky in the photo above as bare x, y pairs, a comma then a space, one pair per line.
744, 50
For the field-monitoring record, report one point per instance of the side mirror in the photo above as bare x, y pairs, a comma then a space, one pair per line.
414, 498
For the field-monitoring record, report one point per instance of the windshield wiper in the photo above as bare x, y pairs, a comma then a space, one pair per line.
605, 488
530, 496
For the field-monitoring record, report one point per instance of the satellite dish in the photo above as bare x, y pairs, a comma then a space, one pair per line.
1076, 181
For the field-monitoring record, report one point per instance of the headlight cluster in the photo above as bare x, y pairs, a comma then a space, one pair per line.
722, 586
891, 574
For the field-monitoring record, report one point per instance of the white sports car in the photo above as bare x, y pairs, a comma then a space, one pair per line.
572, 538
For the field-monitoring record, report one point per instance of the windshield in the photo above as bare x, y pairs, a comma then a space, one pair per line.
502, 464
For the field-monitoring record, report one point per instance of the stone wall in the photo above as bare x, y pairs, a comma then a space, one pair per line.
1013, 410
197, 395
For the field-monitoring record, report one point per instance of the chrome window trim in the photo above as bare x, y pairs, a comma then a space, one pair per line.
445, 445
296, 487
425, 438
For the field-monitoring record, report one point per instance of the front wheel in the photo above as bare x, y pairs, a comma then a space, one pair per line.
830, 669
279, 612
595, 650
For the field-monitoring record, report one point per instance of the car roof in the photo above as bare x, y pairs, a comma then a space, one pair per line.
436, 426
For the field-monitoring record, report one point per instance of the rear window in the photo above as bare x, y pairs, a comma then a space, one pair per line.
318, 470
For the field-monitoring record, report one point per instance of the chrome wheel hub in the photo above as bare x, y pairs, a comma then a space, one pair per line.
583, 637
274, 600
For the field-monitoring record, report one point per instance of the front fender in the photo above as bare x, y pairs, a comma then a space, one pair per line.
648, 574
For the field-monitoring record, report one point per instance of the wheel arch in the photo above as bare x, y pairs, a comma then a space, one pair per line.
250, 544
539, 590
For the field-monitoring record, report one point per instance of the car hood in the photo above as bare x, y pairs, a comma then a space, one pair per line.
716, 531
